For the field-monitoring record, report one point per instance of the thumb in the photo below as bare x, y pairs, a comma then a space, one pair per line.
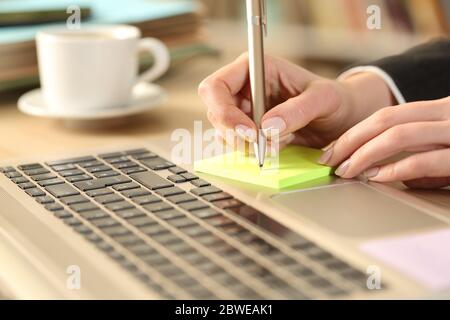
319, 99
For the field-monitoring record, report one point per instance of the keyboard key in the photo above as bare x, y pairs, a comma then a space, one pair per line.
109, 198
83, 229
104, 246
206, 213
158, 206
154, 229
117, 160
155, 260
62, 214
142, 221
26, 185
82, 177
135, 193
19, 180
126, 186
61, 190
116, 231
195, 231
69, 173
157, 163
141, 249
133, 170
51, 182
105, 174
169, 191
170, 214
7, 169
202, 191
136, 151
62, 167
130, 213
129, 239
200, 183
182, 222
193, 205
177, 170
175, 178
118, 206
99, 192
93, 214
87, 164
167, 238
127, 164
180, 198
45, 176
33, 172
35, 192
92, 237
72, 222
74, 199
53, 207
13, 174
71, 160
146, 199
189, 176
30, 166
110, 155
80, 207
98, 168
105, 222
217, 196
151, 180
44, 199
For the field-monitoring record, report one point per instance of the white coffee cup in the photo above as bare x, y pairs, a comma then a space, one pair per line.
95, 67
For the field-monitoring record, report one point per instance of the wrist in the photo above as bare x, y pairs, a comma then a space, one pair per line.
366, 93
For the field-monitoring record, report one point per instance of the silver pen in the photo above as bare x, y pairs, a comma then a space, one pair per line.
257, 28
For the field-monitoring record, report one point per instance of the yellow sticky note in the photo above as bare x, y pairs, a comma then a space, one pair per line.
294, 165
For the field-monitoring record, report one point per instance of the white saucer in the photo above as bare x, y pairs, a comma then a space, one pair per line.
145, 96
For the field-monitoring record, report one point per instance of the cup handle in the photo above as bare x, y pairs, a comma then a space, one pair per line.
161, 55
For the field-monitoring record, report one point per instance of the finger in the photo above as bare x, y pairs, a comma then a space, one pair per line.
393, 141
320, 98
218, 92
432, 164
428, 183
379, 122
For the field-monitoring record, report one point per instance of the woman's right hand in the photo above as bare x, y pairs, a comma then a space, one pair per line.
303, 107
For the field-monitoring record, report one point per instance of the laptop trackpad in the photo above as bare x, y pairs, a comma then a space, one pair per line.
356, 210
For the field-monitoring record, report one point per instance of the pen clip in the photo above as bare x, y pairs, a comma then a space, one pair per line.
264, 16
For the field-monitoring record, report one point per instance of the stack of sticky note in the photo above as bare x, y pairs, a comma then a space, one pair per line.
294, 165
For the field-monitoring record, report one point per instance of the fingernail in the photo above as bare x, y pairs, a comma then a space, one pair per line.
371, 173
326, 156
343, 168
245, 133
273, 126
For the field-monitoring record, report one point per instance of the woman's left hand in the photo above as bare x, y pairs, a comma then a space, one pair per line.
419, 128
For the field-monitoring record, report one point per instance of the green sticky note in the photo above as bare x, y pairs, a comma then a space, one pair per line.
294, 165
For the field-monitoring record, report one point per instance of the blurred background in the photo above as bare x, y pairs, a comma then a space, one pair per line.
323, 35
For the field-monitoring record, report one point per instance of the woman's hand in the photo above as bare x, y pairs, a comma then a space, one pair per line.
420, 128
303, 107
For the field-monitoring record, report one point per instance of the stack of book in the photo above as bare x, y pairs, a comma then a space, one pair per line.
176, 23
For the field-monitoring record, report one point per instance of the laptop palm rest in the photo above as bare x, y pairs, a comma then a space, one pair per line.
356, 210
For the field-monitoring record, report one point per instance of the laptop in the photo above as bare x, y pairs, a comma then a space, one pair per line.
127, 223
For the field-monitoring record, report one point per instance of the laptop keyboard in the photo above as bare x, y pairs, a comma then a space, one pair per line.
180, 235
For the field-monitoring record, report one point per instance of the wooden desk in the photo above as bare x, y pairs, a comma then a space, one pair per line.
25, 136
